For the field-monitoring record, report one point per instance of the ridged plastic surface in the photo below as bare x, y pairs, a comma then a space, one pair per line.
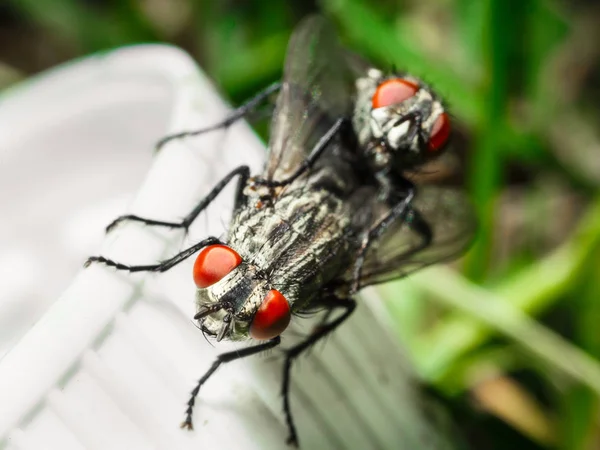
111, 363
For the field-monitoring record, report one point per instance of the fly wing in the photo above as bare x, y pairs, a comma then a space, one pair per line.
317, 89
442, 209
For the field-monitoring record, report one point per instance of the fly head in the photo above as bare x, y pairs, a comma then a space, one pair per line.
399, 122
234, 300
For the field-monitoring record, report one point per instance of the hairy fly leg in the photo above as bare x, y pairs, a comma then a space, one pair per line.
416, 222
413, 219
237, 114
243, 172
314, 155
398, 211
222, 359
161, 266
290, 355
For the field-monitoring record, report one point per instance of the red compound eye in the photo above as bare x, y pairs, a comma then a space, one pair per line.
272, 318
440, 132
393, 91
213, 263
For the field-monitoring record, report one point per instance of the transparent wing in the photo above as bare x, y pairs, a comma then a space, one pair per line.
439, 206
317, 89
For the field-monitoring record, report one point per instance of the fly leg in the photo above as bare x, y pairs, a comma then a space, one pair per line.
420, 225
415, 120
222, 359
290, 355
314, 155
243, 172
162, 266
235, 115
400, 210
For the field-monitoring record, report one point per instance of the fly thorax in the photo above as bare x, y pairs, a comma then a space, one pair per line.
257, 191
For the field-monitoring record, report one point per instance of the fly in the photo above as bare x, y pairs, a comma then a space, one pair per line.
345, 201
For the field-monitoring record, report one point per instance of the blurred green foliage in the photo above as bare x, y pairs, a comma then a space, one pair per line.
518, 333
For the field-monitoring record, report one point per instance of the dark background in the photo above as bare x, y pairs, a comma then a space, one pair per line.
522, 79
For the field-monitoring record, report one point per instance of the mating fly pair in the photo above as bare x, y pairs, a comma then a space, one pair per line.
354, 192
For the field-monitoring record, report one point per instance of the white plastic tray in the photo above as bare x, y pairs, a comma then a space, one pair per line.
110, 363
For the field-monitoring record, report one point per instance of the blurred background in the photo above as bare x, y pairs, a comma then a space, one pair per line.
509, 341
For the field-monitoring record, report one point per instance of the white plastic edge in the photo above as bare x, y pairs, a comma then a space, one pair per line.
97, 301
